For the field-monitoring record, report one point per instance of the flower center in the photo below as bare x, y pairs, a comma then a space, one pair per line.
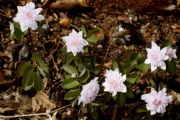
157, 102
113, 83
75, 43
29, 15
154, 56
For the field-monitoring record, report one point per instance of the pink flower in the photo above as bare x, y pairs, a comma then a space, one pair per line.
89, 92
171, 53
28, 16
75, 42
156, 101
114, 82
156, 57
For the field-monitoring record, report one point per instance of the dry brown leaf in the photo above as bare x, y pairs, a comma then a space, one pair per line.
2, 110
8, 105
68, 4
42, 101
108, 64
176, 28
53, 117
176, 97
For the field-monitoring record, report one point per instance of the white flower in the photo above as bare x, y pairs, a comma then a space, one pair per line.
89, 92
11, 25
156, 101
114, 82
75, 42
171, 53
156, 57
28, 16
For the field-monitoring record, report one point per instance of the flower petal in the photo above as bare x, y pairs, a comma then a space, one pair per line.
30, 6
39, 18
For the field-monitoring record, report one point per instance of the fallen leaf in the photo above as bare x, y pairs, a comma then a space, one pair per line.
41, 101
2, 110
176, 97
8, 105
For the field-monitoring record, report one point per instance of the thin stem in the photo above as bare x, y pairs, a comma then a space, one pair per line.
115, 112
108, 46
35, 114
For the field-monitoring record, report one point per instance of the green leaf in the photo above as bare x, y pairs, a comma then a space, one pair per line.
171, 66
92, 38
93, 31
69, 83
69, 58
82, 72
28, 82
122, 99
152, 83
97, 69
17, 32
133, 77
129, 93
143, 67
24, 67
83, 29
141, 110
72, 94
40, 62
134, 58
84, 77
114, 65
38, 83
70, 69
66, 75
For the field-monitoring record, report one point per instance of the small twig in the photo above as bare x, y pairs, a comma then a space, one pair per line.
35, 114
108, 46
52, 52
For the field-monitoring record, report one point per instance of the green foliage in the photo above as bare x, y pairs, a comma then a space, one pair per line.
132, 66
133, 77
114, 65
171, 66
72, 94
38, 83
123, 96
28, 82
84, 76
23, 67
37, 58
92, 38
70, 58
141, 109
83, 29
142, 67
17, 32
90, 35
69, 83
121, 99
70, 69
31, 73
129, 93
